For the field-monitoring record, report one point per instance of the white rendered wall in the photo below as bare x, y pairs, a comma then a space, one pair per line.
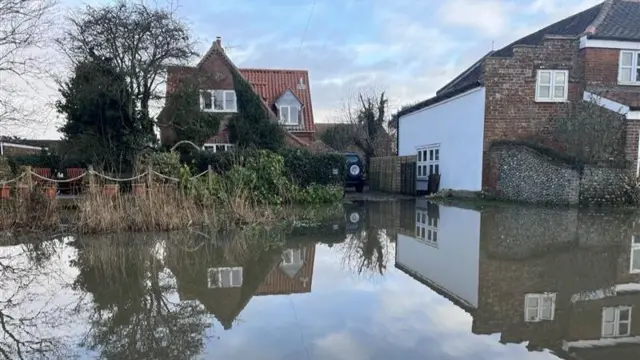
457, 124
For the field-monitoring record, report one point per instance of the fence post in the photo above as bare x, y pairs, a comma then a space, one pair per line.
29, 178
149, 175
91, 179
210, 177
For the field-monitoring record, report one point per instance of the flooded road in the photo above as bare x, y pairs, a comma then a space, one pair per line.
382, 280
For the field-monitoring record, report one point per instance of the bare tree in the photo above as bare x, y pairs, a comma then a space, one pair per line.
23, 28
368, 114
140, 40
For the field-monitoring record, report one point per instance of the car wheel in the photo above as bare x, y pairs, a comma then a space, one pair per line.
354, 170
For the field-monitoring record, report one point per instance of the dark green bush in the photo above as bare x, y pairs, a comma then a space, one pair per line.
300, 165
306, 168
42, 160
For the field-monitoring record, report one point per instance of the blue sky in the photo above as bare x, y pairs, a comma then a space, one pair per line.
408, 48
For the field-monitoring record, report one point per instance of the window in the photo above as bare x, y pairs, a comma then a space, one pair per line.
224, 277
217, 147
426, 228
428, 161
629, 69
635, 254
290, 115
616, 322
552, 85
293, 257
218, 101
538, 307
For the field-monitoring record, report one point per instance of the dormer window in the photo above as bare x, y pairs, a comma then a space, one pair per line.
218, 101
289, 115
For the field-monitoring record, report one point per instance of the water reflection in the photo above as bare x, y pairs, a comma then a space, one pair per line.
385, 280
562, 281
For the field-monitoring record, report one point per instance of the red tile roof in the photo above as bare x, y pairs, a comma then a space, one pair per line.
272, 83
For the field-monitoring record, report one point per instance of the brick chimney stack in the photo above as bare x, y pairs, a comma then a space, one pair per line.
219, 41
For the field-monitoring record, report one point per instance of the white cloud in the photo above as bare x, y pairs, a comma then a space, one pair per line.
488, 16
341, 346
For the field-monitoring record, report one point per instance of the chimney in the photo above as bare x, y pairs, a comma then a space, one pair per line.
219, 41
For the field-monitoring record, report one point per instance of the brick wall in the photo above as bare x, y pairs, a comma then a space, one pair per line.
511, 111
601, 76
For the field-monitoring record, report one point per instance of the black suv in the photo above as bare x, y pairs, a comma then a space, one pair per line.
355, 171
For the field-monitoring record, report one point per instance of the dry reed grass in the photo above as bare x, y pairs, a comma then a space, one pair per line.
166, 208
30, 212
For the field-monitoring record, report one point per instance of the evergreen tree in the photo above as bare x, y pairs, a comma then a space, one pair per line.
99, 129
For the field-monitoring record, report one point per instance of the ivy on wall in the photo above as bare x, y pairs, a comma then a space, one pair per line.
251, 126
185, 116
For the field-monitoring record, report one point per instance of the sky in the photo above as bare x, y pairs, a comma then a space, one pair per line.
407, 48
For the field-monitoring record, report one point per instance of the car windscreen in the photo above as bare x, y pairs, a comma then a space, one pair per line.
352, 158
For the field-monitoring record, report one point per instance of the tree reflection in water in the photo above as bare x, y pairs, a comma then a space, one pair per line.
136, 313
30, 280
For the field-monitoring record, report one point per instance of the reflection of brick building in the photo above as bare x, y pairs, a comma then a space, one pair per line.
224, 282
560, 280
293, 275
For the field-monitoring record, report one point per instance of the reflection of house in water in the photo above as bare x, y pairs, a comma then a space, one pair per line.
557, 279
292, 275
224, 282
441, 249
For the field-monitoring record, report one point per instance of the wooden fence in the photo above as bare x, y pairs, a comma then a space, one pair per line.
393, 174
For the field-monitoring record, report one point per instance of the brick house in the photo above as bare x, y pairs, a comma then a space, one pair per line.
286, 97
514, 93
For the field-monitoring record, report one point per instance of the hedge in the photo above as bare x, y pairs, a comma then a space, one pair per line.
306, 168
301, 166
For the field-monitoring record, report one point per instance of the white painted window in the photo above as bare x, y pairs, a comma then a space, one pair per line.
293, 257
217, 147
224, 277
616, 321
290, 115
428, 161
218, 101
552, 85
635, 254
629, 68
426, 228
538, 307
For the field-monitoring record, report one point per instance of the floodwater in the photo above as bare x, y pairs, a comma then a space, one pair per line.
382, 280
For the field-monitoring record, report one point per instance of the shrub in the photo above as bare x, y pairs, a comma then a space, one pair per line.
42, 160
166, 163
306, 168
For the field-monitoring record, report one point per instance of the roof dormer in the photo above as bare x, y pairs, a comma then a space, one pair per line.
289, 108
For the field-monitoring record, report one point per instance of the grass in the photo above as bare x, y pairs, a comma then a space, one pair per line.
162, 208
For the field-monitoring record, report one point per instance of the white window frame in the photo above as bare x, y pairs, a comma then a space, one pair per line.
552, 86
219, 272
635, 65
426, 228
540, 297
424, 167
224, 101
281, 109
213, 147
635, 245
292, 253
616, 322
